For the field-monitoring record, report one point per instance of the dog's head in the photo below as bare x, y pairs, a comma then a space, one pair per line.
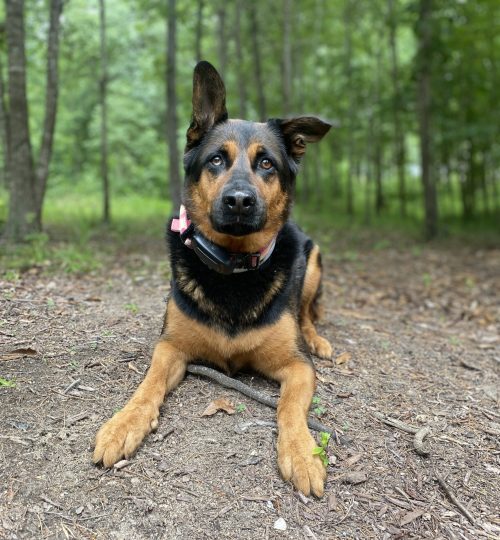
240, 175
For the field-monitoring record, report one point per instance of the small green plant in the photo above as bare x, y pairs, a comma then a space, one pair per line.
427, 279
318, 410
241, 407
6, 383
321, 449
133, 308
11, 275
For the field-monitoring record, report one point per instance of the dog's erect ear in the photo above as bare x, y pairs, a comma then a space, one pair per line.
209, 102
297, 132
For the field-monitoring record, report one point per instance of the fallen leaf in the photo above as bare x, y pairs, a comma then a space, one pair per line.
410, 516
221, 404
18, 353
343, 358
355, 477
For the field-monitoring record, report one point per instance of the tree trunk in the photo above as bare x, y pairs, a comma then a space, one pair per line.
254, 30
351, 111
171, 124
4, 129
399, 140
287, 56
377, 140
199, 30
242, 90
424, 35
221, 38
103, 91
51, 95
23, 217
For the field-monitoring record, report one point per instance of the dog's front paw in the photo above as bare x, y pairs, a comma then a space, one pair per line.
297, 463
120, 436
320, 347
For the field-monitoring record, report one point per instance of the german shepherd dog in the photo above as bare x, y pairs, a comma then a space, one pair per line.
246, 280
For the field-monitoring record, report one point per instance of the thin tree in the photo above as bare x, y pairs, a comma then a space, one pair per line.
221, 38
399, 138
242, 87
103, 91
4, 117
199, 30
171, 94
257, 62
27, 182
287, 56
351, 107
424, 63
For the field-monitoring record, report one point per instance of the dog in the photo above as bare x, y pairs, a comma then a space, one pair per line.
246, 280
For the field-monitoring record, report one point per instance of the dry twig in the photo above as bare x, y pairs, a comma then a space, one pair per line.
234, 384
420, 433
454, 499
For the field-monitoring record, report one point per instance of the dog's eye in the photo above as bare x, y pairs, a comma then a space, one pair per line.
266, 164
216, 161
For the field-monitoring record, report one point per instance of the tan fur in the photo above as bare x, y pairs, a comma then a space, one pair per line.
318, 345
271, 350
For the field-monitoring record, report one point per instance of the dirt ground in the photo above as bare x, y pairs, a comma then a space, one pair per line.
416, 337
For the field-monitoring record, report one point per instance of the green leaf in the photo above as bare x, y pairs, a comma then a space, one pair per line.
6, 383
317, 450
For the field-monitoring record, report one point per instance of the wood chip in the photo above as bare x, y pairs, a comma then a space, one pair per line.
352, 460
332, 502
18, 353
410, 516
355, 477
121, 464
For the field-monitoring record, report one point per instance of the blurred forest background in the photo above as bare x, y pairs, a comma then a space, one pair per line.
95, 99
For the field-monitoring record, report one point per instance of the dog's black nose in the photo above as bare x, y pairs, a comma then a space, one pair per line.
238, 201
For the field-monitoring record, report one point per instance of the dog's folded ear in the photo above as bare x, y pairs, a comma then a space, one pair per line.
297, 132
209, 102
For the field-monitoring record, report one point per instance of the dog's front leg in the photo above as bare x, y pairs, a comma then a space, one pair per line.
121, 435
296, 460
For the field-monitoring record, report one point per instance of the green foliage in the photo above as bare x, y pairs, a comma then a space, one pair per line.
465, 116
321, 449
241, 407
5, 383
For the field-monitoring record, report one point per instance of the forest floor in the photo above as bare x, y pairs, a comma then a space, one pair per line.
415, 331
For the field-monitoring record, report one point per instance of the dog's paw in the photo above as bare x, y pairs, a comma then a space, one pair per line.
320, 347
120, 436
297, 463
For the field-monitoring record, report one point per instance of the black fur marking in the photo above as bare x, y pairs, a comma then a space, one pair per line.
239, 302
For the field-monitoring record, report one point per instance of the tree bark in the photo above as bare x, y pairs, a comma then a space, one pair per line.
351, 111
254, 30
171, 123
103, 94
199, 30
287, 56
242, 91
424, 35
399, 139
221, 39
4, 127
23, 217
51, 95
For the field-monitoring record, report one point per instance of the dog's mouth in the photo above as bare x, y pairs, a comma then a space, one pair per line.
237, 225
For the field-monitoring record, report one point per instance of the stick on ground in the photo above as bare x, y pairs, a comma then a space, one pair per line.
234, 384
454, 499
